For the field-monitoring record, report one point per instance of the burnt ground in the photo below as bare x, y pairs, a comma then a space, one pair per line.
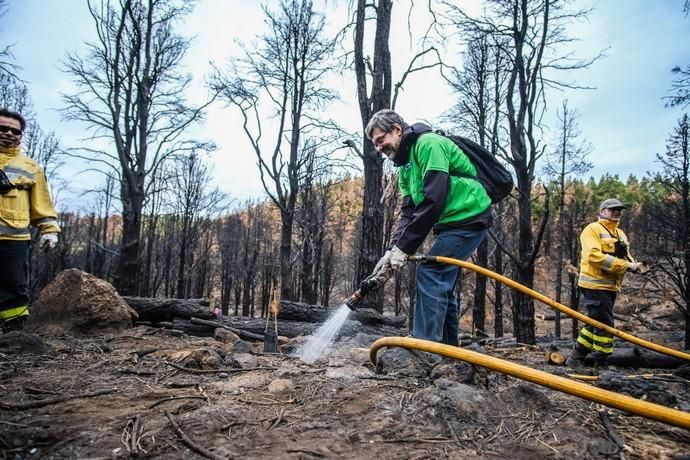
147, 393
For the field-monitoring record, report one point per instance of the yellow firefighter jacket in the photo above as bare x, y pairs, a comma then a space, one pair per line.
29, 202
599, 268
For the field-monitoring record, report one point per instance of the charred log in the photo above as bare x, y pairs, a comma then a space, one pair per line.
161, 309
635, 357
243, 334
296, 311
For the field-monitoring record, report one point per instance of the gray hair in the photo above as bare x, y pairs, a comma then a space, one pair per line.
384, 120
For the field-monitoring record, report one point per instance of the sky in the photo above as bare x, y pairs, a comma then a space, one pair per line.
623, 117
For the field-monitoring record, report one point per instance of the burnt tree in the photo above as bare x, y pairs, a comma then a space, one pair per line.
287, 73
130, 93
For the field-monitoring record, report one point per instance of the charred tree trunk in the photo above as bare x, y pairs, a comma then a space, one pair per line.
498, 296
479, 308
128, 265
523, 305
371, 229
286, 290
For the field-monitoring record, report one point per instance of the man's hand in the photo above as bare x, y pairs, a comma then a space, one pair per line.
398, 258
638, 267
48, 241
383, 264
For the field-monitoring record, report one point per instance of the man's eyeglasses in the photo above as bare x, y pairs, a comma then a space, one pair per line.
10, 129
378, 140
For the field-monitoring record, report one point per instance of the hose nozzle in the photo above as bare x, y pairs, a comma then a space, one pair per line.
367, 285
354, 300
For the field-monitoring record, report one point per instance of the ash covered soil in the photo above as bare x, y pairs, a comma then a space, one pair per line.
146, 393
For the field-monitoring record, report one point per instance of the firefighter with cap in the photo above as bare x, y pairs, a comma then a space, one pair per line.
24, 201
604, 261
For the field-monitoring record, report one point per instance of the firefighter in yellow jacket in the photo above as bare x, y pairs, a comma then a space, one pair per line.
604, 261
24, 201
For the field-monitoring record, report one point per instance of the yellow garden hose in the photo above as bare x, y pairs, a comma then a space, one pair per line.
560, 307
582, 390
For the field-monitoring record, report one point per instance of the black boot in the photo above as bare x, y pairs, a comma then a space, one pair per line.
15, 324
576, 360
601, 361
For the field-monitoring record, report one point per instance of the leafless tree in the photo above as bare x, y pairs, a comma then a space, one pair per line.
100, 252
14, 95
229, 229
480, 86
536, 34
673, 216
567, 160
680, 88
312, 223
7, 65
376, 91
193, 201
286, 73
131, 96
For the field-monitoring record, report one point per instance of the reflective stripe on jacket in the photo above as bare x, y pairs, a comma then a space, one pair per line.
28, 203
599, 269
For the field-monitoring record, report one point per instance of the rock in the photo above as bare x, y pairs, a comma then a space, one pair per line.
453, 369
225, 336
244, 360
647, 389
466, 401
16, 342
197, 358
242, 346
294, 345
526, 395
360, 355
77, 303
279, 386
348, 373
401, 361
287, 370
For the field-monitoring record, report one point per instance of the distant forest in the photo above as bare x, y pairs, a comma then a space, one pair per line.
158, 228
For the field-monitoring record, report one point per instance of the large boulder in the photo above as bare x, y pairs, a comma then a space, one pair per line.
77, 303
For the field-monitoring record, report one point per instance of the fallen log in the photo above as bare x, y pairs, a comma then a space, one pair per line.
162, 309
241, 333
306, 313
258, 325
553, 355
189, 327
297, 328
546, 316
636, 357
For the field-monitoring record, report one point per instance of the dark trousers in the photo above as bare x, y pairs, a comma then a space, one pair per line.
14, 279
436, 310
599, 306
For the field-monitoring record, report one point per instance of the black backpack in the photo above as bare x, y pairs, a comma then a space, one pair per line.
495, 178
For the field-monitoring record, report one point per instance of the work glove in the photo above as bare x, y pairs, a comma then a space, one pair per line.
398, 258
383, 265
638, 267
48, 241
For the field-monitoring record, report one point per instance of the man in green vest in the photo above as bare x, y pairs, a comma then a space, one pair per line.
440, 194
